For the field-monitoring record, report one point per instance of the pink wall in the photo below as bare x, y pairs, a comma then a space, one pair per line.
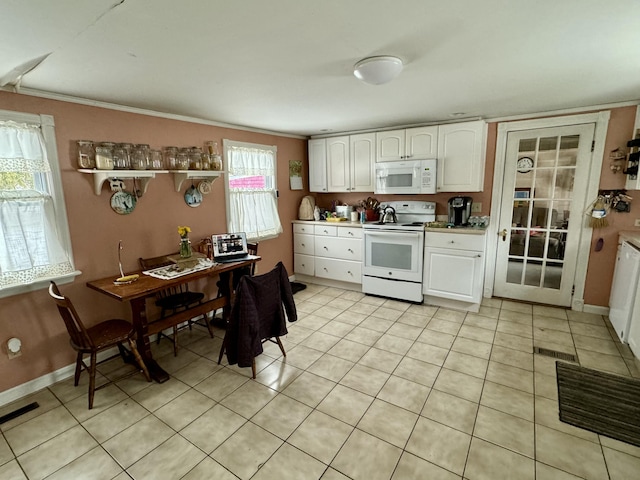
150, 230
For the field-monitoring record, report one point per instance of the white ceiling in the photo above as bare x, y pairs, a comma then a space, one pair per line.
287, 65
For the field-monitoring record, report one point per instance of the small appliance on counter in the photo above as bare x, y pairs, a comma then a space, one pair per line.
307, 206
459, 209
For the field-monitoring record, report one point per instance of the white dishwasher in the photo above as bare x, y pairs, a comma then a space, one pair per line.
623, 290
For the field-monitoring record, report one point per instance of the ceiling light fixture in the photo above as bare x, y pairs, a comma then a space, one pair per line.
378, 70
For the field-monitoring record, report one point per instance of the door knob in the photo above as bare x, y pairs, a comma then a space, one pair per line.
503, 234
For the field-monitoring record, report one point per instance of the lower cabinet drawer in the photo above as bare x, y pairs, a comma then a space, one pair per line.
340, 248
342, 270
303, 264
303, 243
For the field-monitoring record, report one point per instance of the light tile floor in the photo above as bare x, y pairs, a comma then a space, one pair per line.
370, 389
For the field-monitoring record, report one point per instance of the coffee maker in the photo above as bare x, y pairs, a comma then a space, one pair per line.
460, 210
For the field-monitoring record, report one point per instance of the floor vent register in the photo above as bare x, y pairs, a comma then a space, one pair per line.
555, 354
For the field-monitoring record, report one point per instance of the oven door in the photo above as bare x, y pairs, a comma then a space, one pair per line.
393, 254
398, 177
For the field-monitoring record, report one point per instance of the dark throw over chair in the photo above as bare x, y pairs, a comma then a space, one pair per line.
258, 315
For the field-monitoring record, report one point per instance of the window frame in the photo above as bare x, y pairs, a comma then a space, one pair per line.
54, 179
226, 144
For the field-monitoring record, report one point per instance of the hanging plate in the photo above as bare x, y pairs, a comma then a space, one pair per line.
123, 203
193, 197
204, 187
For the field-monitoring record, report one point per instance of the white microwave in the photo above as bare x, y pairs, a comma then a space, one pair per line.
410, 177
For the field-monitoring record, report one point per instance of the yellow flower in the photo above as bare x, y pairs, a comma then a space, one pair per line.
184, 231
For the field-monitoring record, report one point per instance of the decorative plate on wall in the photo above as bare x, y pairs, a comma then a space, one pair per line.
204, 187
123, 202
193, 197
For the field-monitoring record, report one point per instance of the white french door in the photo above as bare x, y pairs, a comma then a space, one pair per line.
546, 173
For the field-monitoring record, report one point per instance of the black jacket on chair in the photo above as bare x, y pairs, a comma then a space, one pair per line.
258, 314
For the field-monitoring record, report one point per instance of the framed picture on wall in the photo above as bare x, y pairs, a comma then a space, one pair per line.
519, 195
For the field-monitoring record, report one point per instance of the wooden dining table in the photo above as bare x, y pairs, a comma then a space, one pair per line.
146, 286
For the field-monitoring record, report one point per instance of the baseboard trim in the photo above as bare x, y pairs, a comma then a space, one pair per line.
47, 380
597, 309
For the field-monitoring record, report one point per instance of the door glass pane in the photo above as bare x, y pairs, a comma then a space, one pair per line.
552, 275
543, 187
514, 271
568, 150
537, 243
548, 143
518, 237
533, 273
564, 183
527, 145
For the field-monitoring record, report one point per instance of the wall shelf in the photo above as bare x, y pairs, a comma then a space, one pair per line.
180, 176
100, 176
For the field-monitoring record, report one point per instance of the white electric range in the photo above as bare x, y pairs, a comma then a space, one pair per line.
393, 252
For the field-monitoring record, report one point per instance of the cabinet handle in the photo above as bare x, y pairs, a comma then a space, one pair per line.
350, 233
452, 241
350, 250
326, 248
325, 269
325, 231
478, 255
302, 244
349, 272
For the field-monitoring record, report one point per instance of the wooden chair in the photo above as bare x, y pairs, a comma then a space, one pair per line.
99, 337
174, 299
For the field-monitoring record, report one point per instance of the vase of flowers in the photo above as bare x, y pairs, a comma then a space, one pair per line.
185, 243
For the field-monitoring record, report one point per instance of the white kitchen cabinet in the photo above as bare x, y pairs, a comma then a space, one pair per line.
461, 157
409, 143
362, 150
329, 252
454, 267
342, 164
318, 165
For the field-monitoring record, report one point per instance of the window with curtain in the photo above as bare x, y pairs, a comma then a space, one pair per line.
34, 237
251, 190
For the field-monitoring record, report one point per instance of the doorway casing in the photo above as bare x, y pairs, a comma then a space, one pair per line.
601, 122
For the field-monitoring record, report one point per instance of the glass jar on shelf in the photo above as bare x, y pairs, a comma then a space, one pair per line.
170, 161
86, 154
138, 158
120, 158
128, 147
182, 159
104, 156
155, 159
195, 159
216, 162
145, 151
206, 162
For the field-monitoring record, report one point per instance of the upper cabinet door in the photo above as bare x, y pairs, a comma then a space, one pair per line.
421, 143
363, 153
318, 165
338, 164
461, 156
390, 145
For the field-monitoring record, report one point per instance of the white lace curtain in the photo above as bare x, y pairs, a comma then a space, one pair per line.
30, 250
253, 210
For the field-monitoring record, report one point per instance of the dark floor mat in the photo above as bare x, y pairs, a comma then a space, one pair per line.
600, 402
297, 286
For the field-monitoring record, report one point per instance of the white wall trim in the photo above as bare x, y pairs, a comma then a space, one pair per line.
143, 111
48, 379
597, 309
601, 121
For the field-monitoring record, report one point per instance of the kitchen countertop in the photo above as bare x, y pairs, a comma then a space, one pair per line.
347, 223
632, 236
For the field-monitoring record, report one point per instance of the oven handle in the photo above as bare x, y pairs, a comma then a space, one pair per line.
386, 233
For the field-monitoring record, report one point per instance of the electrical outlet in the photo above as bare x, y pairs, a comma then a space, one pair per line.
476, 207
637, 223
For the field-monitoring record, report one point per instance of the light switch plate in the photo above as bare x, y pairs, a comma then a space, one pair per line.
476, 207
